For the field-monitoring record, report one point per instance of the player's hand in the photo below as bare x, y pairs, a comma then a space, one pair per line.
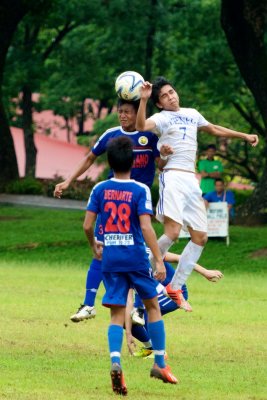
130, 343
213, 275
146, 90
59, 188
253, 140
166, 150
98, 249
160, 273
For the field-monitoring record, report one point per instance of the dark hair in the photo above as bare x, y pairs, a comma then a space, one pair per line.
219, 180
211, 146
120, 154
157, 85
135, 103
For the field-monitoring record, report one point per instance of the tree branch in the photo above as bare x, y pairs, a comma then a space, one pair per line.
250, 119
61, 34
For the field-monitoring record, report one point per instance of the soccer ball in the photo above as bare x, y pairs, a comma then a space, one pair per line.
128, 85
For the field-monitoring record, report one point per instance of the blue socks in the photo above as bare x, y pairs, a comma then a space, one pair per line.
93, 280
115, 338
157, 334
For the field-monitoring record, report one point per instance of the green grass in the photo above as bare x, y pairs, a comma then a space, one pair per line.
218, 351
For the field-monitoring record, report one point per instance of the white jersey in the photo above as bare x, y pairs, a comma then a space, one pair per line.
178, 129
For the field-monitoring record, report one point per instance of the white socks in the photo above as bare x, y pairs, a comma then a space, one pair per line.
164, 243
188, 259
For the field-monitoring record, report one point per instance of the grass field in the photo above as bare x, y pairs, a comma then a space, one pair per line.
218, 351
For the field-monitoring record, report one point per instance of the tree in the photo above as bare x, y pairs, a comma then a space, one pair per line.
38, 36
11, 13
244, 24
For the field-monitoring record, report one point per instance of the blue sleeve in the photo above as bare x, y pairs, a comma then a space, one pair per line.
101, 145
230, 198
144, 201
93, 202
208, 197
155, 140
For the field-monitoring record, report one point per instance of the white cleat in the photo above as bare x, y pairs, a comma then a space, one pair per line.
84, 312
137, 315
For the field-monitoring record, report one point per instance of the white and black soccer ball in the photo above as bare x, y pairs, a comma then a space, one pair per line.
128, 85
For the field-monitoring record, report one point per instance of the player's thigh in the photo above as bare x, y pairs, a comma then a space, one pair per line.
172, 199
145, 285
117, 286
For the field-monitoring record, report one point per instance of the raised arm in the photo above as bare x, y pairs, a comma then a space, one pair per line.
217, 130
86, 163
143, 124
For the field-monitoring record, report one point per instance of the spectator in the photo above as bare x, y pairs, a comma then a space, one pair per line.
210, 169
221, 194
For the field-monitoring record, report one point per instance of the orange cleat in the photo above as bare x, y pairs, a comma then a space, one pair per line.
178, 298
117, 380
163, 373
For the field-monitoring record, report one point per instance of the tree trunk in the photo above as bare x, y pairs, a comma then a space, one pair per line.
30, 148
11, 12
68, 128
81, 118
150, 47
244, 24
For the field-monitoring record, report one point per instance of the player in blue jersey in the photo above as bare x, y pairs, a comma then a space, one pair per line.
140, 332
145, 156
125, 209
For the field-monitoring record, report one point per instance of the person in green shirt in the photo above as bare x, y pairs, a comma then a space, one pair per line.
210, 170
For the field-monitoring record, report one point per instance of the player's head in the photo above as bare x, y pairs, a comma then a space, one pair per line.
210, 151
127, 111
219, 185
120, 154
164, 95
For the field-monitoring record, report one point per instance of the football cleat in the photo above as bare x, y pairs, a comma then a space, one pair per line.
83, 312
163, 373
137, 315
178, 298
143, 353
117, 380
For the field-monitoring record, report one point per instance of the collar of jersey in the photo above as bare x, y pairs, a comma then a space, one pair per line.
129, 133
121, 180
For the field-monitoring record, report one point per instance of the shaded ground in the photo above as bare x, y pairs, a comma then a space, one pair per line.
259, 253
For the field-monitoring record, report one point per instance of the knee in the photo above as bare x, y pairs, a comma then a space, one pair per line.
200, 239
203, 238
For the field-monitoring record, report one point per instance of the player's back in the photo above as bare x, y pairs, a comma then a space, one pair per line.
120, 203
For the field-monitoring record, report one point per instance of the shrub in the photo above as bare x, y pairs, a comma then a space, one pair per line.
79, 190
241, 196
26, 185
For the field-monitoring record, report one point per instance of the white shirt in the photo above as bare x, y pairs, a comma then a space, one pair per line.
178, 129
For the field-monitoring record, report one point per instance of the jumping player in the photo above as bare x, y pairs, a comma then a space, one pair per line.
180, 202
125, 209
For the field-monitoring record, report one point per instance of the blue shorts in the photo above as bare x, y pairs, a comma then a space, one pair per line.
117, 285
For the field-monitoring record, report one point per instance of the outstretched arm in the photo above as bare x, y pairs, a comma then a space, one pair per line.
86, 163
209, 274
217, 130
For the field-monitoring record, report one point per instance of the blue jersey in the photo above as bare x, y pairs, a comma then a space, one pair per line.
228, 196
119, 204
145, 152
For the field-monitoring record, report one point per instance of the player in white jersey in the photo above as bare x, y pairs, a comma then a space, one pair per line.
180, 204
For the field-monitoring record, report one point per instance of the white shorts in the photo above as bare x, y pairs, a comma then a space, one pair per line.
180, 198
